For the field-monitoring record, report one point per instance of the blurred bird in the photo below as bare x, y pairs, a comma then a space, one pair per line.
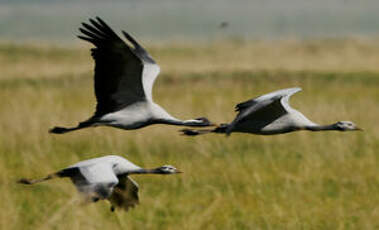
106, 178
124, 78
271, 114
224, 25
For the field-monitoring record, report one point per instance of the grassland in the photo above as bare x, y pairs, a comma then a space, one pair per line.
297, 181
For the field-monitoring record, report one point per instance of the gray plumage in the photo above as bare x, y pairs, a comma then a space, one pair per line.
124, 78
271, 114
106, 178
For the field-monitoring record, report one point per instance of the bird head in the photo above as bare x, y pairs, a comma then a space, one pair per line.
167, 169
347, 126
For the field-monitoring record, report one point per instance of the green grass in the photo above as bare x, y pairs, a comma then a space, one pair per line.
300, 180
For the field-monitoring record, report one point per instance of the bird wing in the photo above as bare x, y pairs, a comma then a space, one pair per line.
95, 180
269, 106
285, 93
288, 93
124, 74
150, 70
125, 194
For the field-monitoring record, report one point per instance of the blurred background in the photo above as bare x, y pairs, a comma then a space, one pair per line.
57, 20
213, 54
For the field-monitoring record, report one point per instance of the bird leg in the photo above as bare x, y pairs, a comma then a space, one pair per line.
31, 181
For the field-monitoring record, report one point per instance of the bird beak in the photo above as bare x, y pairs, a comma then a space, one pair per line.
359, 129
178, 171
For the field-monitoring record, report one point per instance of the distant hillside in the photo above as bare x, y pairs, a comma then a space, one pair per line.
57, 20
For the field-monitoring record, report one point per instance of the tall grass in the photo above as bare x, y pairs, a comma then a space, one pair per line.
296, 181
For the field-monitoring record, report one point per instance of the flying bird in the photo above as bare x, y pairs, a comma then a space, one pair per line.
271, 114
106, 178
223, 25
124, 78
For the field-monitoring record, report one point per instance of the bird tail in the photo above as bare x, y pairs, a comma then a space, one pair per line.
194, 132
62, 130
34, 181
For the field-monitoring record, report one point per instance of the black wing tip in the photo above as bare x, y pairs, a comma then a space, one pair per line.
137, 47
239, 107
102, 22
85, 25
130, 38
98, 27
82, 30
95, 19
99, 19
85, 38
242, 105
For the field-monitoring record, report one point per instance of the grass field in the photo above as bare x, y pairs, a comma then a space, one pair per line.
300, 180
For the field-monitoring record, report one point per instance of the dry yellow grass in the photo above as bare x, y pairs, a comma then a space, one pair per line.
333, 55
297, 181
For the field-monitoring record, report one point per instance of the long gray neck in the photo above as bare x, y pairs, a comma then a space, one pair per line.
322, 127
145, 171
162, 117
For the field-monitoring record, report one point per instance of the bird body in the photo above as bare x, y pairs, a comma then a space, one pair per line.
141, 114
134, 116
284, 124
124, 79
119, 164
271, 114
106, 178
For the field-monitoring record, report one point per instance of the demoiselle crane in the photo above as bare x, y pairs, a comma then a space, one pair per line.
271, 114
106, 178
124, 78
